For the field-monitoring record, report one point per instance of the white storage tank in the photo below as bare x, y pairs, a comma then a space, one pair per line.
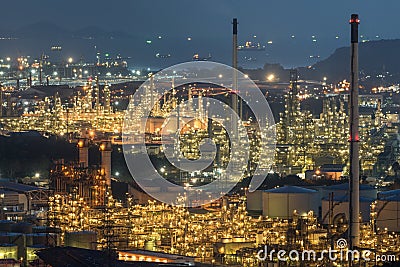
340, 190
83, 239
254, 201
337, 208
388, 211
45, 239
283, 202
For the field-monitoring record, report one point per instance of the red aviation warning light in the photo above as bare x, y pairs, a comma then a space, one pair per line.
354, 20
356, 139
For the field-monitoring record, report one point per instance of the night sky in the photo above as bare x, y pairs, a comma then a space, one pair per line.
208, 23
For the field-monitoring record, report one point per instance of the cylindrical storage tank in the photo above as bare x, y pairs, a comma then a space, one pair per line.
283, 202
84, 239
31, 252
44, 239
254, 201
6, 226
46, 229
9, 251
22, 227
338, 207
340, 190
53, 232
388, 211
17, 239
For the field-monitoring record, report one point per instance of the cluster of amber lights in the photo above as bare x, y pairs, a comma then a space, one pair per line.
303, 139
205, 234
82, 113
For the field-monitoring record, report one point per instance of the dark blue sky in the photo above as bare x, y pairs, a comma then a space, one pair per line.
207, 22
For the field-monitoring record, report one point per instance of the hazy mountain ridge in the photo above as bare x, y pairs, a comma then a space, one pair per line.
375, 58
45, 29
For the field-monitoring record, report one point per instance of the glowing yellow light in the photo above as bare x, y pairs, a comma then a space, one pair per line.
270, 77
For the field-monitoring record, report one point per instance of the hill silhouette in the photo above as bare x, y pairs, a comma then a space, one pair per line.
375, 58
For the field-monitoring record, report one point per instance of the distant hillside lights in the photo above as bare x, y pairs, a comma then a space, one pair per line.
389, 89
342, 86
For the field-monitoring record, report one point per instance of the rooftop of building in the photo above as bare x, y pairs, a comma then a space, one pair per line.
17, 187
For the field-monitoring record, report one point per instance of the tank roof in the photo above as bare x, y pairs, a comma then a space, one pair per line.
291, 189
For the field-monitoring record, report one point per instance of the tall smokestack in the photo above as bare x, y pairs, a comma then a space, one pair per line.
354, 203
234, 65
83, 148
106, 149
